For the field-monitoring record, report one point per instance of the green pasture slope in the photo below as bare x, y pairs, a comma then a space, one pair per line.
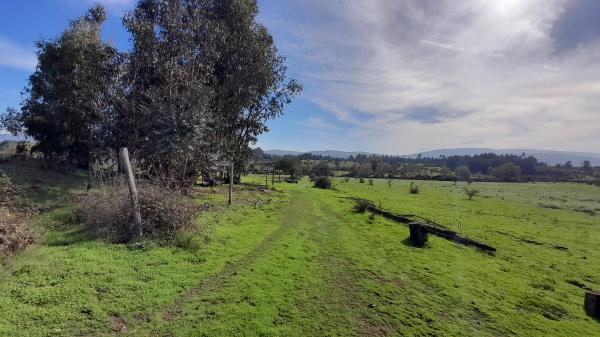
299, 262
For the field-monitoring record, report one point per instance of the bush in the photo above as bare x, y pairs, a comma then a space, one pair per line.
413, 188
361, 180
322, 182
362, 205
107, 213
371, 182
14, 234
463, 173
471, 192
9, 193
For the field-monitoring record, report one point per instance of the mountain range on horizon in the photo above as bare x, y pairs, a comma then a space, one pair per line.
550, 157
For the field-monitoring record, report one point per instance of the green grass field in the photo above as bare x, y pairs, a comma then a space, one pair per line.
299, 262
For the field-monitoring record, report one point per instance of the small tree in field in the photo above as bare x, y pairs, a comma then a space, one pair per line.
507, 172
463, 173
470, 192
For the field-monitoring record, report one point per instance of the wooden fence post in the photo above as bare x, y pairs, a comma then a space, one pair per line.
230, 183
135, 207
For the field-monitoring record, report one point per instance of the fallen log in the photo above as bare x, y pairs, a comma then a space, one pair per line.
429, 227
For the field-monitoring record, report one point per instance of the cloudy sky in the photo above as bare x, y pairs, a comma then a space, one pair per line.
398, 76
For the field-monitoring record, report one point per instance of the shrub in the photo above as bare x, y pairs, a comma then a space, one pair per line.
322, 182
413, 188
361, 180
9, 193
470, 192
390, 183
346, 179
14, 234
362, 205
107, 213
463, 173
371, 182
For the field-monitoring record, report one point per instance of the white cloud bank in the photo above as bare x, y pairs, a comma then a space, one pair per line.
412, 75
13, 55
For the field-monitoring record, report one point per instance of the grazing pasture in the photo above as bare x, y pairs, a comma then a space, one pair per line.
299, 261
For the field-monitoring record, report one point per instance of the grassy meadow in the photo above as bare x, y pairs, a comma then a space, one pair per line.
297, 261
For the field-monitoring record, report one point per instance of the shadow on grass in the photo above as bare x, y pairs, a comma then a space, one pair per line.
409, 243
70, 236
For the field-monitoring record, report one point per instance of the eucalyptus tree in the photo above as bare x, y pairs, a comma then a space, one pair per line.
248, 79
66, 100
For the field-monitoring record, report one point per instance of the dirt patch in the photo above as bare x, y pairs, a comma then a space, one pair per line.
118, 324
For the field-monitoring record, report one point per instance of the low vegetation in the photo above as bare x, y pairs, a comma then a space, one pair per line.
14, 234
107, 213
322, 182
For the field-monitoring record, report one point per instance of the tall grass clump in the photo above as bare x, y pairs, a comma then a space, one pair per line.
470, 192
362, 205
413, 188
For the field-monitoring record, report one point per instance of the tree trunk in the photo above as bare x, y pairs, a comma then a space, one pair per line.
592, 304
230, 183
418, 234
137, 217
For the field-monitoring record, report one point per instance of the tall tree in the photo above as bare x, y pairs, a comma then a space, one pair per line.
203, 79
248, 77
66, 99
162, 108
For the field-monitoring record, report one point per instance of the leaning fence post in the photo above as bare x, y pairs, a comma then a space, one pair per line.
135, 207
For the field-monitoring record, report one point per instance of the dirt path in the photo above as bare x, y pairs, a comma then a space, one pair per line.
342, 300
212, 283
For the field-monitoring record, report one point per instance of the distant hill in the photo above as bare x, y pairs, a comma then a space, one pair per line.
326, 153
549, 157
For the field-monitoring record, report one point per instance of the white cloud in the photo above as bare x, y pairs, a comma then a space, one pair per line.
13, 55
495, 60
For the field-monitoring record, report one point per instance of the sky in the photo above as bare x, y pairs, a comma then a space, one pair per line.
396, 76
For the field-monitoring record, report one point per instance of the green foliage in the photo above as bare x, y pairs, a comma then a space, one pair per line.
413, 188
361, 180
371, 182
507, 172
321, 170
66, 101
199, 85
362, 205
470, 192
322, 182
463, 173
310, 242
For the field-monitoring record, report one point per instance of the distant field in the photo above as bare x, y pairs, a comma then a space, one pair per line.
300, 262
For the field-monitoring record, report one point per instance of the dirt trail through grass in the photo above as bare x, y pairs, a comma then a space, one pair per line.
213, 283
307, 285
